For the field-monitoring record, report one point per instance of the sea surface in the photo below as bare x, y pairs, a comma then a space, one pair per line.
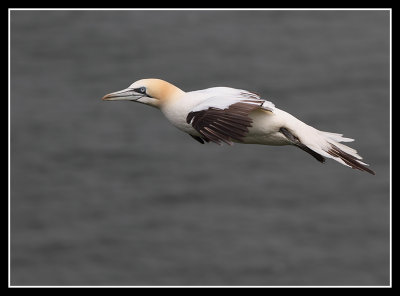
109, 193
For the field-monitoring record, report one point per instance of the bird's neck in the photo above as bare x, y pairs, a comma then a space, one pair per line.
169, 92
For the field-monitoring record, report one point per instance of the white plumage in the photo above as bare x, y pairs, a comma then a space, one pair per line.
224, 114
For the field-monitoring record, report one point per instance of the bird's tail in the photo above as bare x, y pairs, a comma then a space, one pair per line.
325, 144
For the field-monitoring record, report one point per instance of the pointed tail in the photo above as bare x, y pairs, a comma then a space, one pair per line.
342, 153
324, 144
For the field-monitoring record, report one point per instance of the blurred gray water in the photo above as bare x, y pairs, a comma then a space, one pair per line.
109, 193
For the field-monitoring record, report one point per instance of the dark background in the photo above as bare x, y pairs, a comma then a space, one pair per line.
109, 193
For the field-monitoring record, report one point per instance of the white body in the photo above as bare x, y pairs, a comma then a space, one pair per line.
235, 115
265, 127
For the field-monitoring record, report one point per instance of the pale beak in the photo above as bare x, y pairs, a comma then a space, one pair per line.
127, 94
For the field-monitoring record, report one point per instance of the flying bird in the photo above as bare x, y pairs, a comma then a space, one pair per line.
228, 115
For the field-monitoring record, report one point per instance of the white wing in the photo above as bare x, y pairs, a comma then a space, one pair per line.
223, 97
224, 113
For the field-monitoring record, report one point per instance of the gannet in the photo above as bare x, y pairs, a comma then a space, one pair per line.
224, 114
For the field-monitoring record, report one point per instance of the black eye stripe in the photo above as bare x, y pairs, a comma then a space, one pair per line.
141, 90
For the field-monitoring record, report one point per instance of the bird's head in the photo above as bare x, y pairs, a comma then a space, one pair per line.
153, 92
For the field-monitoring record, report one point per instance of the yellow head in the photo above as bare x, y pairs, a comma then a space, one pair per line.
153, 92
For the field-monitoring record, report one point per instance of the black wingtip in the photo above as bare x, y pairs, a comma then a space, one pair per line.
316, 155
295, 141
349, 159
198, 139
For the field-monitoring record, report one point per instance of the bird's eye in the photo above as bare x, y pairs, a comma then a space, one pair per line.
141, 90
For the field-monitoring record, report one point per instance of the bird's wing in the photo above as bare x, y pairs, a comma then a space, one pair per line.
224, 116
